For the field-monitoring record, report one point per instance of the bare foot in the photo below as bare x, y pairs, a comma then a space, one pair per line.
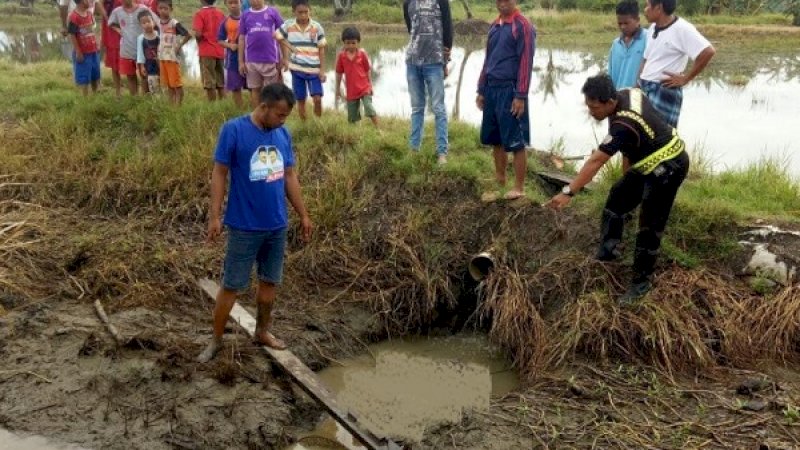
268, 339
211, 351
513, 194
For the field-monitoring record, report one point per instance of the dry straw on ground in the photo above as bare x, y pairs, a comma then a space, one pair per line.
398, 248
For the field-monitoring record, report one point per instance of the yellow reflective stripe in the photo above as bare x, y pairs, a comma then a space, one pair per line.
673, 148
638, 119
636, 101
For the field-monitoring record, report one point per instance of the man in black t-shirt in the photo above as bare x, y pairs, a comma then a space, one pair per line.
654, 162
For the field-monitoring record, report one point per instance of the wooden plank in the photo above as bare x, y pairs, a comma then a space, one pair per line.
305, 378
560, 178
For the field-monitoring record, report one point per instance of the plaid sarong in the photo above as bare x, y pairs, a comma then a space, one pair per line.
667, 101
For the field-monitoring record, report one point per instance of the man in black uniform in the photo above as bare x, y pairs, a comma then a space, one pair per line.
654, 162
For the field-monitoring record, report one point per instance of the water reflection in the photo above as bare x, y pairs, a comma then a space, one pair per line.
735, 115
34, 46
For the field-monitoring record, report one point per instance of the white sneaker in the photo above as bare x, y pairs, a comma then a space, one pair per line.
441, 160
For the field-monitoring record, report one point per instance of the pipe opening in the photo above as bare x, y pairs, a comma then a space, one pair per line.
480, 265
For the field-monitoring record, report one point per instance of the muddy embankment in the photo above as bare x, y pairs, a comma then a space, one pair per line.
388, 259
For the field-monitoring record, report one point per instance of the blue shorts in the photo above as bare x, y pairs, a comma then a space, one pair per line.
305, 84
499, 126
88, 70
246, 247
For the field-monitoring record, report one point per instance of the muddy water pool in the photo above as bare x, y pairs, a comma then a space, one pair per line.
732, 117
11, 441
400, 387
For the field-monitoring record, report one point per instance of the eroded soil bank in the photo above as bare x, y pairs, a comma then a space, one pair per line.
64, 377
394, 234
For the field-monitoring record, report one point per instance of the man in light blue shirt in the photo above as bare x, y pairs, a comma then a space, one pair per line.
628, 49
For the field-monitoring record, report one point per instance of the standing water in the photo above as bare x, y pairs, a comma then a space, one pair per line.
10, 441
402, 387
736, 115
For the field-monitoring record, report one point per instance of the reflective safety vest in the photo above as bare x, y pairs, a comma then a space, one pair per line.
672, 149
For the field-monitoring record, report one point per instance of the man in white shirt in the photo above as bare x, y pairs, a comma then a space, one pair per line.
671, 41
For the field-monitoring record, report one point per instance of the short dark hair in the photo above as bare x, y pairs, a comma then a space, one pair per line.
628, 8
208, 2
351, 34
143, 14
296, 3
668, 5
166, 2
276, 92
599, 87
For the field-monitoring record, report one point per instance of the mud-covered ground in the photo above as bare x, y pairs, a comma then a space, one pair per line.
68, 380
64, 376
398, 267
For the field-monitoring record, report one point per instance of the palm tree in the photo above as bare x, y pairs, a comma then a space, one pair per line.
467, 8
456, 106
342, 7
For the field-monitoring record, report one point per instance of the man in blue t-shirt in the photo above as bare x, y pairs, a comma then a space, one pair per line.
256, 151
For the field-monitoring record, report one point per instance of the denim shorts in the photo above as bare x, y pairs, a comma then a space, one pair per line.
265, 248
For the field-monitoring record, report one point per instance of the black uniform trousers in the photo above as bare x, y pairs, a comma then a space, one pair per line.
656, 192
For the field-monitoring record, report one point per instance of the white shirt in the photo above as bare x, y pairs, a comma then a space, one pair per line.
671, 49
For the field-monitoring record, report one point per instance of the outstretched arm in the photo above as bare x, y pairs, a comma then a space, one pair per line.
587, 173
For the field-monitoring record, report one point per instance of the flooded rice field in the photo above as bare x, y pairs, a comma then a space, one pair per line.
730, 118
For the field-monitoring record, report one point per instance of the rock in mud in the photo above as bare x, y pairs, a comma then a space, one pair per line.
755, 405
774, 253
753, 385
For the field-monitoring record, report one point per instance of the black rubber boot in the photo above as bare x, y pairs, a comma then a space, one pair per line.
635, 292
608, 251
611, 226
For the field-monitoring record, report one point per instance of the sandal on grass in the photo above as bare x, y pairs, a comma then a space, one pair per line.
489, 197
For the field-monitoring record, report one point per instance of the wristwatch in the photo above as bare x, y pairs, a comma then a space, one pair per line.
567, 191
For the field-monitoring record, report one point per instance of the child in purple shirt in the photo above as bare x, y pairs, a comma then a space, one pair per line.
228, 37
259, 55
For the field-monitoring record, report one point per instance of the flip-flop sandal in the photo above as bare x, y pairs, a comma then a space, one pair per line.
513, 195
489, 197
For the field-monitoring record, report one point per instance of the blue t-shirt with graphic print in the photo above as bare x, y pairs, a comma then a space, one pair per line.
256, 159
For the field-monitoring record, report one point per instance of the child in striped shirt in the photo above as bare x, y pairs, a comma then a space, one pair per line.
303, 44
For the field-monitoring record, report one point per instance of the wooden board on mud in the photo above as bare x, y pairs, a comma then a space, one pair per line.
559, 178
305, 378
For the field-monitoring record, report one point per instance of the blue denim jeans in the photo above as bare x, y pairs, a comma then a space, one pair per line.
420, 78
265, 248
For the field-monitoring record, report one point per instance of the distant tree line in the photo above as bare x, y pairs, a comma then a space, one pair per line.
688, 7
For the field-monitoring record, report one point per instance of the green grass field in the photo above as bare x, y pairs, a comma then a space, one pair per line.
154, 153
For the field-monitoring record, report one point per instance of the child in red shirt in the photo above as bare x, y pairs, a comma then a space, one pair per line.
353, 62
206, 24
85, 58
